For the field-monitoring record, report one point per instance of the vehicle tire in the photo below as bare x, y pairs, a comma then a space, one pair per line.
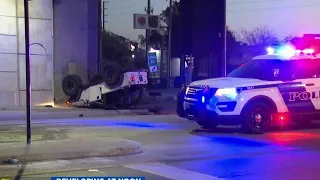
113, 74
207, 124
180, 99
256, 118
71, 85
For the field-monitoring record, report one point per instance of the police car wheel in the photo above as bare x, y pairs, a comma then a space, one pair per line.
179, 106
256, 118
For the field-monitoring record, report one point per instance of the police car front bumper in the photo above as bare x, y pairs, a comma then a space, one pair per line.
199, 112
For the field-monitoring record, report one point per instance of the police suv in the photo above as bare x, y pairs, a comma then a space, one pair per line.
280, 87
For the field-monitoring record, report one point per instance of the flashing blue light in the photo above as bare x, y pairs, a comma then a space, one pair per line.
288, 51
270, 50
203, 99
283, 51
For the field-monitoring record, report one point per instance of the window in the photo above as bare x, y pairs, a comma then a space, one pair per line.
269, 70
277, 70
306, 68
251, 69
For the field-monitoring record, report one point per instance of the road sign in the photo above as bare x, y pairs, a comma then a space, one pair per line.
145, 21
153, 68
153, 61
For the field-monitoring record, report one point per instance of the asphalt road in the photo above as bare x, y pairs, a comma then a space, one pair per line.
178, 149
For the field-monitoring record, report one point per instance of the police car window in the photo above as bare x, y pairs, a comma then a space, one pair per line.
269, 70
251, 69
277, 70
306, 68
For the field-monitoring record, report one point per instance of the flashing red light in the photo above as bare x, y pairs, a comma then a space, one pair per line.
281, 118
132, 78
290, 51
308, 51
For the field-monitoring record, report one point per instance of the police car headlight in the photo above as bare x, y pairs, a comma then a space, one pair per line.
229, 92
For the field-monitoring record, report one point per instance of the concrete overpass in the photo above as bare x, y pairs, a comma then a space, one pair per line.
62, 32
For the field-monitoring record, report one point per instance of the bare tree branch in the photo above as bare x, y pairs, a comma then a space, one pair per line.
259, 36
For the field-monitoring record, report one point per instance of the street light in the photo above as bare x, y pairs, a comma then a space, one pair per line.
28, 86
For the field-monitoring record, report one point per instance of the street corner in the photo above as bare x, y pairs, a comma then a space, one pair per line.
67, 149
160, 105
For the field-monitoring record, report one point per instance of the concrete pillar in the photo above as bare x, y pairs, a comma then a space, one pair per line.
76, 39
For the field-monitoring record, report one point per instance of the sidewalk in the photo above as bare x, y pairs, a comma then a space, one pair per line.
63, 112
68, 149
60, 143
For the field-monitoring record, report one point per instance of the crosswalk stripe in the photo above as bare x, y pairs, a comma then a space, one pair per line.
171, 172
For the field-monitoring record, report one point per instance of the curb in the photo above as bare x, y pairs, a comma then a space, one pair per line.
37, 152
20, 115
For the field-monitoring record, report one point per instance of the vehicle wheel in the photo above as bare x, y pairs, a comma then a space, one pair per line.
113, 74
71, 85
207, 125
256, 118
180, 99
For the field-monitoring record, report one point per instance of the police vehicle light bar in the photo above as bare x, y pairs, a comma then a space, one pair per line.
288, 51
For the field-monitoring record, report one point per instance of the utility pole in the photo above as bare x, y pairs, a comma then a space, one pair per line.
28, 86
147, 30
104, 14
224, 39
169, 45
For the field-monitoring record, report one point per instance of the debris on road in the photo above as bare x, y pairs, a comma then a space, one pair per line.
12, 161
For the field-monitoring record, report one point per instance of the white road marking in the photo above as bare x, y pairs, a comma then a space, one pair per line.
171, 172
95, 170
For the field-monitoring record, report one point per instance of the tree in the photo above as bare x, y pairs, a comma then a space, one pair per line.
116, 48
291, 39
256, 41
165, 15
142, 40
233, 47
260, 36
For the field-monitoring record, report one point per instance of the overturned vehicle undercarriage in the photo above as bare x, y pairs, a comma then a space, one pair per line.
116, 88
